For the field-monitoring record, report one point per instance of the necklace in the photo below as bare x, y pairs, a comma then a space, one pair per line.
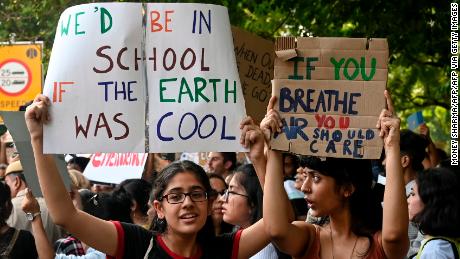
332, 243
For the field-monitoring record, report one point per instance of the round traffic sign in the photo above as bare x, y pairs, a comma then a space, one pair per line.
15, 77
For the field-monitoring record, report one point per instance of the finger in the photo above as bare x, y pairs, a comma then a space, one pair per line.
247, 120
390, 106
271, 103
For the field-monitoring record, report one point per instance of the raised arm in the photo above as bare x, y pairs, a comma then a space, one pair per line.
95, 232
292, 238
254, 238
43, 245
395, 240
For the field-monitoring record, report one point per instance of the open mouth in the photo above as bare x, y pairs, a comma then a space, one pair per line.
188, 216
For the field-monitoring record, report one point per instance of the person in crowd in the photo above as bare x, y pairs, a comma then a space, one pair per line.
16, 181
434, 206
340, 189
181, 201
221, 163
432, 157
14, 243
242, 203
78, 163
219, 187
139, 190
291, 164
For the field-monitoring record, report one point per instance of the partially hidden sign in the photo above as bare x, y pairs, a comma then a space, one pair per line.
131, 77
115, 167
255, 58
330, 94
20, 73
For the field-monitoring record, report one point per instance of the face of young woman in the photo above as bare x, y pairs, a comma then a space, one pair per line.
219, 186
414, 202
236, 209
321, 193
186, 217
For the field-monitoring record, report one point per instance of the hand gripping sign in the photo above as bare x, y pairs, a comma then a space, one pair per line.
131, 77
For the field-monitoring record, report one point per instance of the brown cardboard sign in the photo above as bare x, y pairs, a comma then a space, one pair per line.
330, 95
255, 58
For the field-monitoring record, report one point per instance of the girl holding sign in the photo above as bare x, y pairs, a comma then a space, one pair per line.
183, 201
338, 188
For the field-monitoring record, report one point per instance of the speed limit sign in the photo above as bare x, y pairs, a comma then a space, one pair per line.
15, 77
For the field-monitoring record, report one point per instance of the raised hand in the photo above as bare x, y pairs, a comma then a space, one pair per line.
30, 203
272, 121
389, 123
252, 137
36, 115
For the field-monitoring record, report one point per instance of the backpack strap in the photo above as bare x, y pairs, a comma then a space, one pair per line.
10, 246
451, 242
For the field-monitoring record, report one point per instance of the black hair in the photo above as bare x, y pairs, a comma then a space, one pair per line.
139, 190
295, 163
5, 203
214, 175
81, 162
247, 177
230, 156
115, 205
438, 189
366, 210
413, 145
162, 182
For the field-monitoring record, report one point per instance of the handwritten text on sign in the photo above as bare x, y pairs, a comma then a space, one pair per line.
182, 63
330, 96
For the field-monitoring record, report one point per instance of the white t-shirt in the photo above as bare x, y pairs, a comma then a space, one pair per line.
437, 249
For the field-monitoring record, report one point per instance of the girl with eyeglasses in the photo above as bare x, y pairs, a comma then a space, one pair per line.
242, 204
182, 200
219, 186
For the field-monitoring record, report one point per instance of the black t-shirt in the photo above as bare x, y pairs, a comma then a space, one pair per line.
24, 247
135, 242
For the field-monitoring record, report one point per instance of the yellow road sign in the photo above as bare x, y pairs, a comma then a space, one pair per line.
20, 73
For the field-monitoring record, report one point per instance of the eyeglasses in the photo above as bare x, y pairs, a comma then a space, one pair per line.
227, 194
221, 193
175, 198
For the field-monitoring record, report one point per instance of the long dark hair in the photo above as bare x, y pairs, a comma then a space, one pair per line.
159, 226
139, 189
247, 177
5, 203
439, 190
365, 209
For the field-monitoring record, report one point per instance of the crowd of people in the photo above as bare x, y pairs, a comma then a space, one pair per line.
269, 204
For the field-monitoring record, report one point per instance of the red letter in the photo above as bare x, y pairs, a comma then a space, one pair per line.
167, 20
153, 22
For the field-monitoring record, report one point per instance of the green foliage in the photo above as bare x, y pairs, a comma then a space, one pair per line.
417, 32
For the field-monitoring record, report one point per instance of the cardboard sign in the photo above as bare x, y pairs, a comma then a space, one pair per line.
115, 167
255, 58
17, 126
330, 94
169, 84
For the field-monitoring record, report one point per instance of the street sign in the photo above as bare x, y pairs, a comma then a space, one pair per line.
20, 73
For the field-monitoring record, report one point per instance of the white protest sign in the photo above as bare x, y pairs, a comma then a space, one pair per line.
115, 167
96, 90
168, 85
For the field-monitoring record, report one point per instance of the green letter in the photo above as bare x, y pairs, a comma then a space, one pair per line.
162, 88
198, 90
65, 30
227, 91
363, 69
213, 82
77, 24
296, 64
183, 84
105, 13
345, 69
337, 66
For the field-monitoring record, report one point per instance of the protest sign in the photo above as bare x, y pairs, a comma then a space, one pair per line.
330, 94
17, 126
120, 85
255, 58
414, 120
115, 167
